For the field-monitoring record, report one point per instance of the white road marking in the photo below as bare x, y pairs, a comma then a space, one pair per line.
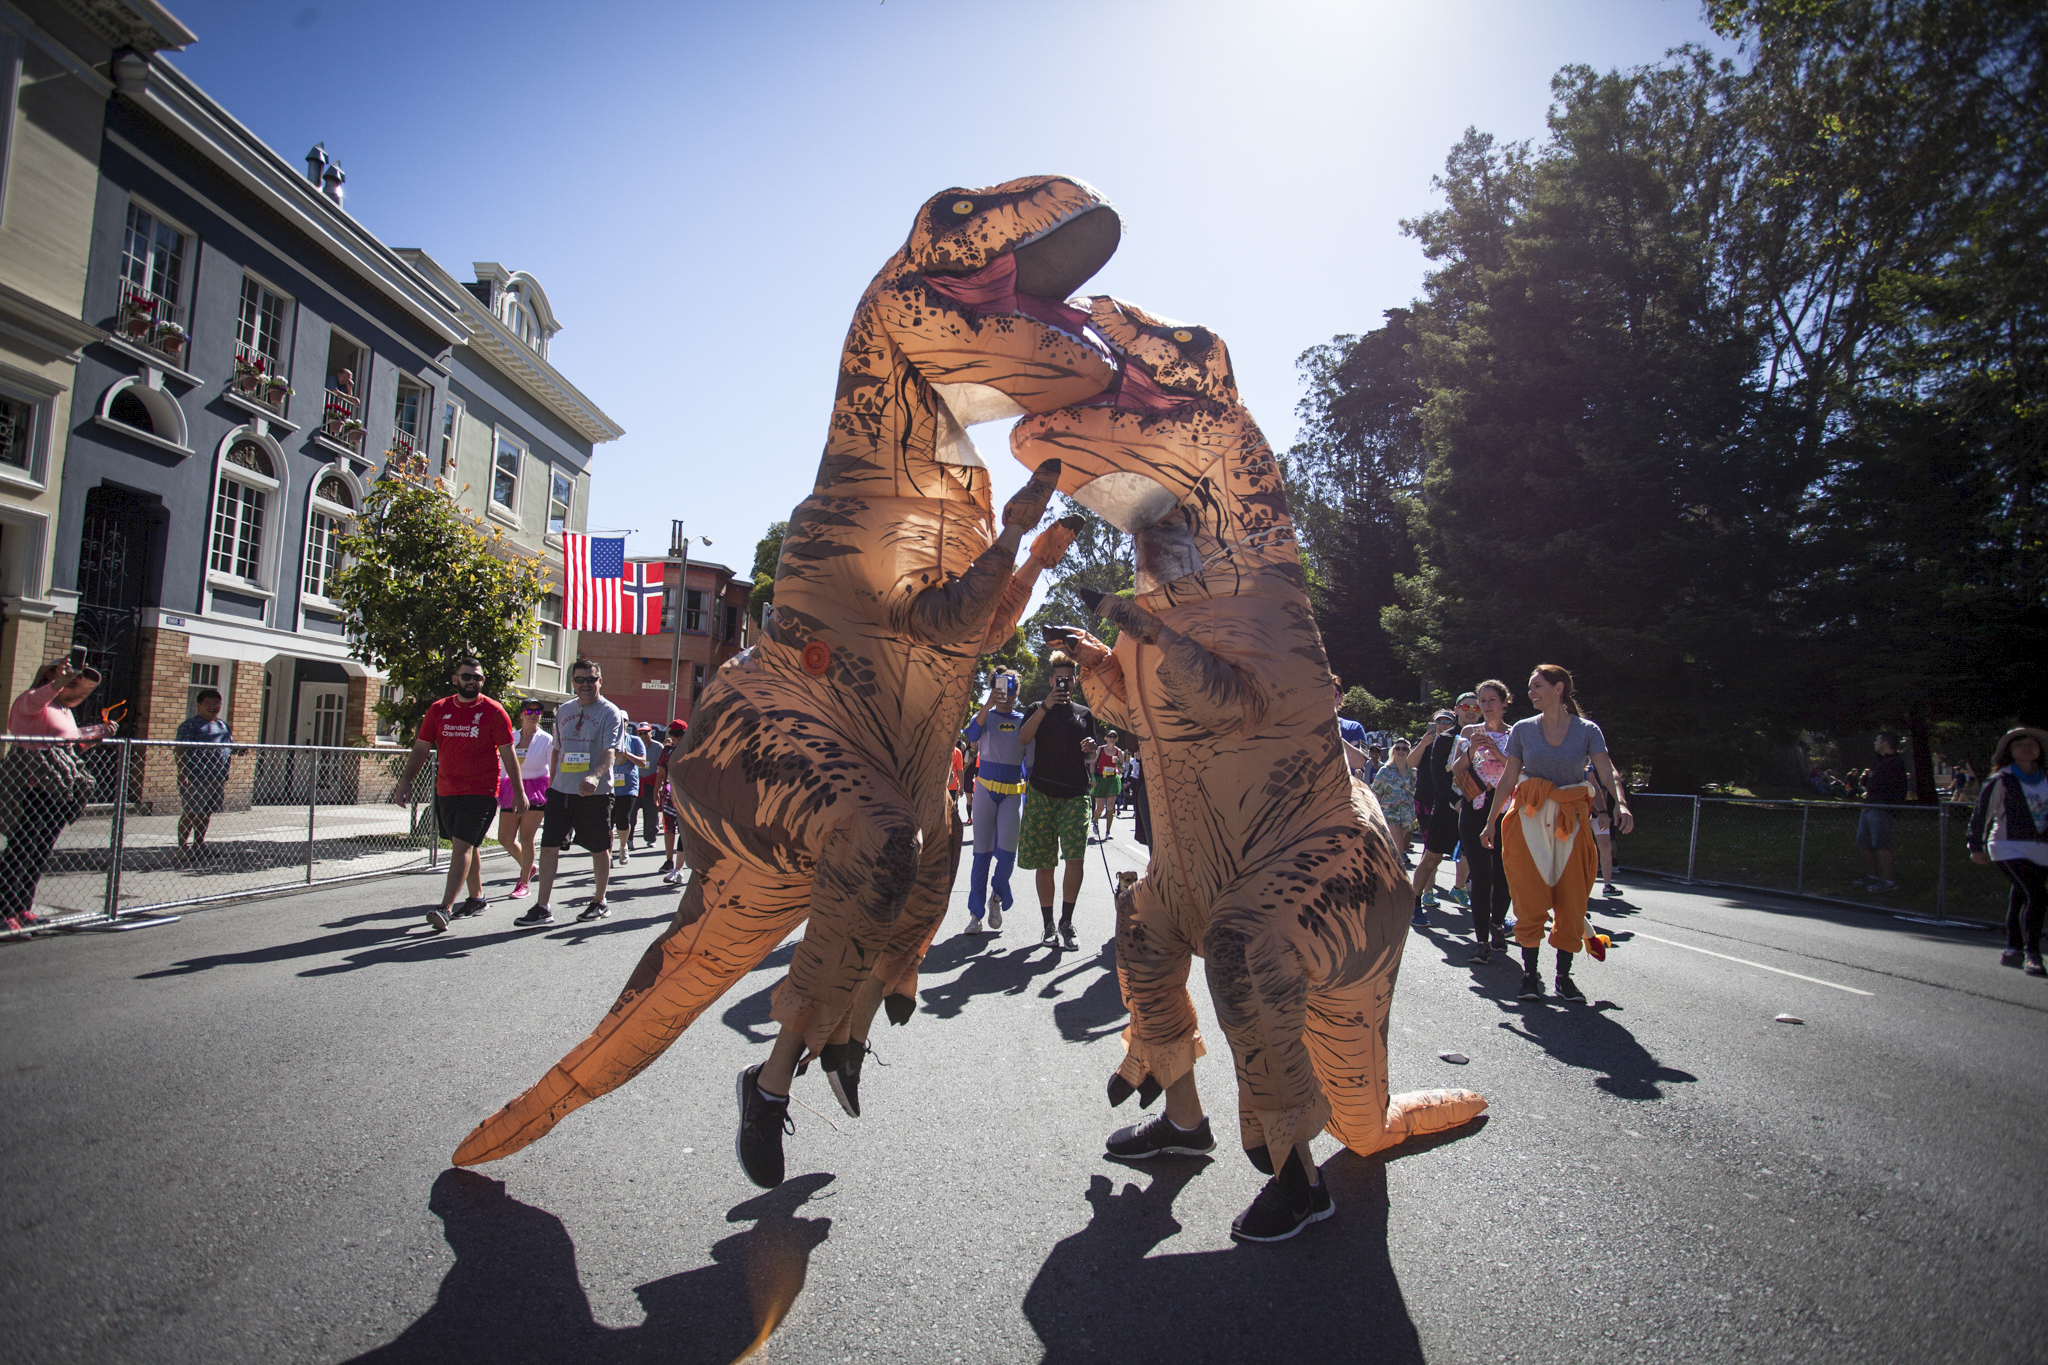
1747, 963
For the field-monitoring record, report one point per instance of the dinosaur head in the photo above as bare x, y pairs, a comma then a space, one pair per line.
1167, 453
980, 287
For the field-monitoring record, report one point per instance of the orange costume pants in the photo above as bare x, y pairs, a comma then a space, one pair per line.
1552, 861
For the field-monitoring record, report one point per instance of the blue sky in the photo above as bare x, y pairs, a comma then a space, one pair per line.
705, 189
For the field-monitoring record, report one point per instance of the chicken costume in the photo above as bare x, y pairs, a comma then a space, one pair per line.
1268, 861
813, 783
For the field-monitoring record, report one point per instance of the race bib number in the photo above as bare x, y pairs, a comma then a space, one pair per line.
575, 760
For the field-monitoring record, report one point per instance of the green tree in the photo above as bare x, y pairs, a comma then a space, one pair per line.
424, 582
767, 558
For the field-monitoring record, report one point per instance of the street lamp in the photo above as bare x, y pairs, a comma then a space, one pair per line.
679, 553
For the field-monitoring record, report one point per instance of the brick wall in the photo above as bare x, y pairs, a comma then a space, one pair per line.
158, 710
242, 709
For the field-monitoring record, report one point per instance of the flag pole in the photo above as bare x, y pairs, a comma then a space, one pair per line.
678, 550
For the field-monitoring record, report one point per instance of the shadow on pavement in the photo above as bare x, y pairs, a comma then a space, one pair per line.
513, 1294
1584, 1036
1329, 1294
1098, 1011
1005, 973
750, 1016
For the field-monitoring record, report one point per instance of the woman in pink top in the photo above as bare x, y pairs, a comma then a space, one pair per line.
45, 799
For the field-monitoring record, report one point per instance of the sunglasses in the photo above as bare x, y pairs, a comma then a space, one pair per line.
529, 710
586, 680
469, 677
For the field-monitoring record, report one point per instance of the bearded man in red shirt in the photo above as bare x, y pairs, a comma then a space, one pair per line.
473, 737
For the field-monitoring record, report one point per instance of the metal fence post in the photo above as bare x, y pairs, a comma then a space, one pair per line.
1692, 850
1805, 819
1941, 859
117, 829
312, 804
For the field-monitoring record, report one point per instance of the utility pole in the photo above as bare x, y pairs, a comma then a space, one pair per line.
679, 555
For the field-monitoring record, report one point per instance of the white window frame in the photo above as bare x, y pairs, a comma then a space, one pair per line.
450, 432
509, 511
423, 423
164, 411
540, 615
186, 264
556, 472
269, 549
287, 323
344, 517
40, 397
223, 679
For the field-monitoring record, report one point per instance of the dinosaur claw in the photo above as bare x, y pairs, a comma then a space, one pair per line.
1029, 504
1090, 599
1073, 523
1119, 1091
1148, 1091
900, 1008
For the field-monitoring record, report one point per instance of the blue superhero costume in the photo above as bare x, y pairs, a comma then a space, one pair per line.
998, 806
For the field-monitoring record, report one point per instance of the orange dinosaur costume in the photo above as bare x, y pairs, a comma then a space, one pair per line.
813, 784
1268, 861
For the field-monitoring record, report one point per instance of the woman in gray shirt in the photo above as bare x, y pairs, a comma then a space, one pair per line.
1549, 851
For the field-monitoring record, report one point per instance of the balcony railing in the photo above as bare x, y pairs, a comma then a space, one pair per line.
151, 321
341, 419
258, 379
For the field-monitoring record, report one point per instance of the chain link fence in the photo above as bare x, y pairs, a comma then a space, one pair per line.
164, 825
1809, 848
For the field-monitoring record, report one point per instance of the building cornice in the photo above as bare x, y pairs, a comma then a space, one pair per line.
50, 330
133, 23
492, 339
171, 98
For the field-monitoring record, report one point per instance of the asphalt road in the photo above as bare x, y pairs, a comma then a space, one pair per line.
227, 1140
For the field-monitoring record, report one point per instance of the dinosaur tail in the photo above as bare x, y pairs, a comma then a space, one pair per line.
680, 976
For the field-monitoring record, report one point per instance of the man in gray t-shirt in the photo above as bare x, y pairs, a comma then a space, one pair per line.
589, 733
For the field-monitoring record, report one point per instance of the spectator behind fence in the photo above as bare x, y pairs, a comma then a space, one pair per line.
43, 786
2007, 830
202, 769
1884, 784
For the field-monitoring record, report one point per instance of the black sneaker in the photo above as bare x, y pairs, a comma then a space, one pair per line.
1286, 1206
668, 865
1158, 1136
1067, 940
1500, 940
762, 1123
535, 918
2012, 957
842, 1072
1532, 986
595, 910
1052, 935
1481, 957
470, 908
1569, 988
2035, 966
438, 921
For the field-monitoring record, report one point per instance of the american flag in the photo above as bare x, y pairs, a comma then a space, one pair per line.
593, 570
642, 587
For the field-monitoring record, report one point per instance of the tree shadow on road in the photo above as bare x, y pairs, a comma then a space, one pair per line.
1329, 1294
513, 1293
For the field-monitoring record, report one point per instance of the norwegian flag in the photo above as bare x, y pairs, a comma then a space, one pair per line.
642, 588
593, 571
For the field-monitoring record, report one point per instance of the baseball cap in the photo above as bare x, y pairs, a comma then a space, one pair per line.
678, 724
1445, 716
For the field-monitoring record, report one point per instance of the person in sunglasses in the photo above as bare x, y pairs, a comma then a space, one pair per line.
590, 732
471, 737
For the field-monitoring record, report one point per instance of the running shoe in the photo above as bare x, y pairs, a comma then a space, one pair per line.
1051, 935
1160, 1136
1480, 958
1461, 896
594, 910
974, 925
2011, 957
668, 865
521, 889
1420, 919
470, 908
995, 918
674, 877
1429, 899
2034, 966
1532, 986
439, 920
762, 1124
1067, 935
535, 918
1569, 988
1284, 1207
1613, 890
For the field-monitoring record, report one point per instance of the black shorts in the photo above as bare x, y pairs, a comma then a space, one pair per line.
586, 817
622, 810
466, 819
1441, 837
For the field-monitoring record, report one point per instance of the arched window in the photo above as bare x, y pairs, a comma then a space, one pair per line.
327, 521
243, 497
151, 413
129, 411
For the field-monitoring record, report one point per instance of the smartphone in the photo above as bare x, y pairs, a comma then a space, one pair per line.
77, 658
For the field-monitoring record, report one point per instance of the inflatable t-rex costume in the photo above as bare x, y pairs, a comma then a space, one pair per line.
814, 781
1268, 861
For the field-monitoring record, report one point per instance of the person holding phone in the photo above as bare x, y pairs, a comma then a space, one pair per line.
46, 783
1059, 737
996, 732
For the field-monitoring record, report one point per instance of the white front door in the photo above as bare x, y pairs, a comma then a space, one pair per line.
323, 713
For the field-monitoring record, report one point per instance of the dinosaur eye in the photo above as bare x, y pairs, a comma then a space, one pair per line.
1183, 335
963, 207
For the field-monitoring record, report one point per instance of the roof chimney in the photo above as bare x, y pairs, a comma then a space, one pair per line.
331, 182
316, 162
